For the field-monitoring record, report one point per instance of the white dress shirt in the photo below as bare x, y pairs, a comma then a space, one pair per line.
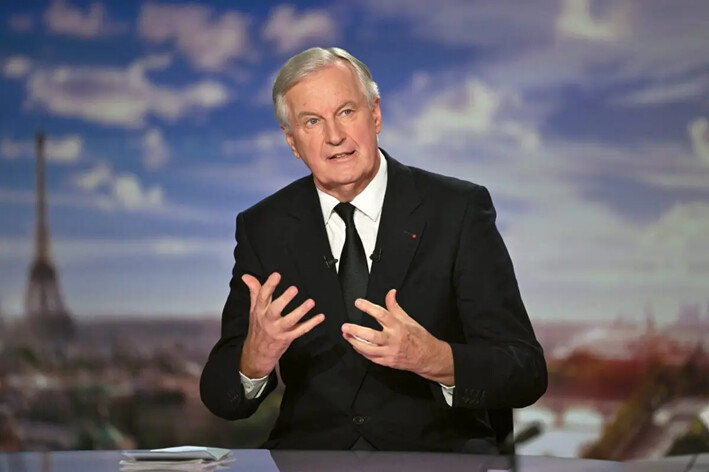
368, 210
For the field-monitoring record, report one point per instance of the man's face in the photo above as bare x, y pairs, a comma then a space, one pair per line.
333, 130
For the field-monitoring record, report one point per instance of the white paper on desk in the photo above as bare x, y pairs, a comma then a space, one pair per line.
170, 466
180, 453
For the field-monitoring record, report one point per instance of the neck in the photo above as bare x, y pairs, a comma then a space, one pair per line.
347, 192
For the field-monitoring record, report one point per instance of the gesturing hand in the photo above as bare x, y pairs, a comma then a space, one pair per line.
402, 344
269, 333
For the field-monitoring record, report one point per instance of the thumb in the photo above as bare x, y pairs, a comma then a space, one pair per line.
254, 286
392, 305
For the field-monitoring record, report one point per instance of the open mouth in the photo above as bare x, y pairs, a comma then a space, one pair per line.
341, 155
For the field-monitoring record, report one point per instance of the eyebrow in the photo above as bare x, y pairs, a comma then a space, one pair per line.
349, 103
308, 113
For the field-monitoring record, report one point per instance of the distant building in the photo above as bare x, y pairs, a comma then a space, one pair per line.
45, 312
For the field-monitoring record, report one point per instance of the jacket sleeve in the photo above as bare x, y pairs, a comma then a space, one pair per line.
500, 364
220, 385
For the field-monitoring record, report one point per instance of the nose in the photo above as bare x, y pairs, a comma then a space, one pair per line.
334, 133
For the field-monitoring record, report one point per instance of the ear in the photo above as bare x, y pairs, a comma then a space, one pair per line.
377, 115
291, 142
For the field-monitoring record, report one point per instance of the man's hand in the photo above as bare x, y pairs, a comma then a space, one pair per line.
269, 333
402, 344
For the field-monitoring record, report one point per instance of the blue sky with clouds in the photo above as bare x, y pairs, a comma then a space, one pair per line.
587, 119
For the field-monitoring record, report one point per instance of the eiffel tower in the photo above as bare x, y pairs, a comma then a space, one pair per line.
44, 308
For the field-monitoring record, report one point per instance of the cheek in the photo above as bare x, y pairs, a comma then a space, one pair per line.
364, 130
306, 144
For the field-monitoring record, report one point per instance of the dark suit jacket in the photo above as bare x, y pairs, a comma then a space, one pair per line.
442, 252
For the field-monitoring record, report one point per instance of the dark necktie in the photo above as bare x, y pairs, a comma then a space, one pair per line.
353, 271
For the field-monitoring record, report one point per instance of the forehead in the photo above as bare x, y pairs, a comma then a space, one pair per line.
325, 88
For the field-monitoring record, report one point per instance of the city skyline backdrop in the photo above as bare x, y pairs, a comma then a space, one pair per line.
586, 119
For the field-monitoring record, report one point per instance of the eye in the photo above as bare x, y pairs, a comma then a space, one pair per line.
311, 122
347, 111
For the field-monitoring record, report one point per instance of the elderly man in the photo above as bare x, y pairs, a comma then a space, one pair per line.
383, 292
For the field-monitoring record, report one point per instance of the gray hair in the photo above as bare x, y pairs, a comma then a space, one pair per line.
312, 60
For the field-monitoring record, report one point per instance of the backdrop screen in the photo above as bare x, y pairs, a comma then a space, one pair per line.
588, 121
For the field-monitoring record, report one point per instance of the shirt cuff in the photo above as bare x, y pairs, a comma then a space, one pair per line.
447, 393
253, 388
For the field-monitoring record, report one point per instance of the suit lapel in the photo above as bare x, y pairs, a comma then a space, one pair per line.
309, 247
400, 230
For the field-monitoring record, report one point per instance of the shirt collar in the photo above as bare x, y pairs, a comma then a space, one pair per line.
369, 201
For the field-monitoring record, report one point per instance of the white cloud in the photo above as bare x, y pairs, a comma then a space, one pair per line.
523, 52
527, 137
16, 67
577, 21
683, 90
64, 150
569, 251
668, 167
678, 240
292, 32
460, 23
118, 191
472, 107
119, 97
64, 18
94, 178
259, 164
465, 110
21, 22
155, 149
129, 192
81, 251
209, 42
61, 150
699, 134
262, 142
100, 197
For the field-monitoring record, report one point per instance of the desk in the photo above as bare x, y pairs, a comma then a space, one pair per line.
259, 460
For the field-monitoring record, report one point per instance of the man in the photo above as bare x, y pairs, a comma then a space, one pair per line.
384, 292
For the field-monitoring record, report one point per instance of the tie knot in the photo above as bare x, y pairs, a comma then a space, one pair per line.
346, 212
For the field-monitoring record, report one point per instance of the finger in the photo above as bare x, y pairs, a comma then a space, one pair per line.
292, 318
375, 311
306, 326
254, 286
368, 350
367, 335
280, 303
266, 292
362, 339
392, 305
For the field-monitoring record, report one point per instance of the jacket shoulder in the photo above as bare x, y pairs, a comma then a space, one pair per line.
276, 202
443, 188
